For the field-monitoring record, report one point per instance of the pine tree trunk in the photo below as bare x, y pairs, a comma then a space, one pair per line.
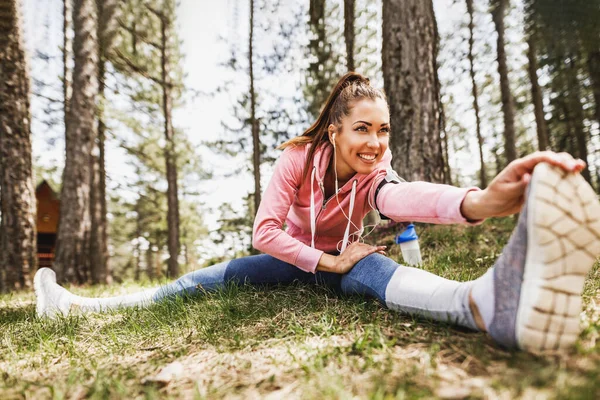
18, 245
594, 71
474, 92
67, 53
170, 159
150, 265
320, 49
253, 121
536, 95
508, 104
349, 10
410, 78
577, 115
80, 137
107, 27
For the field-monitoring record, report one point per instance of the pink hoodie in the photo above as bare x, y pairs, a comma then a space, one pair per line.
311, 231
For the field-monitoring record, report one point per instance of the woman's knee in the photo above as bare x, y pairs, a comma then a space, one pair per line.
369, 276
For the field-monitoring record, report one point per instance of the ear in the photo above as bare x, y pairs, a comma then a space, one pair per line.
331, 130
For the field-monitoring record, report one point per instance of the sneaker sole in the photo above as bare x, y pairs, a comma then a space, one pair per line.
42, 275
563, 234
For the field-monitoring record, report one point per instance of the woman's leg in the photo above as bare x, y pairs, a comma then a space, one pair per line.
256, 270
531, 298
410, 290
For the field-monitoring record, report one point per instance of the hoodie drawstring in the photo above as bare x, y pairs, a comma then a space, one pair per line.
347, 233
312, 207
313, 221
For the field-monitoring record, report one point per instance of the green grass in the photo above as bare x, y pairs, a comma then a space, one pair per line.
291, 342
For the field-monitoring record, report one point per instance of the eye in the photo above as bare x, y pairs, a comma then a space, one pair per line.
361, 128
385, 130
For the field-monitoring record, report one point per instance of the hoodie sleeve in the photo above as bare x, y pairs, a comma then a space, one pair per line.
423, 202
268, 234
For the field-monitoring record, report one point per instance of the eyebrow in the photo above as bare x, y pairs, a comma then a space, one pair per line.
369, 124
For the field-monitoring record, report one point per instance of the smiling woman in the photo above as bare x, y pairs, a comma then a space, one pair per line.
530, 299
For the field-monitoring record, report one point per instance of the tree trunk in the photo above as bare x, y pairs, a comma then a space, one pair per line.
80, 137
410, 80
594, 71
170, 158
253, 121
536, 95
508, 104
18, 245
577, 115
319, 79
67, 53
150, 265
349, 10
107, 27
474, 92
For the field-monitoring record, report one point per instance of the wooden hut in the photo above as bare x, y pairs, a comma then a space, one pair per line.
48, 206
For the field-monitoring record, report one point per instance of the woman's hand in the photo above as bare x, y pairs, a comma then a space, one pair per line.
505, 195
345, 262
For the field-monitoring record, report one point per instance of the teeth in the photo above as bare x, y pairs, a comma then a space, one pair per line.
366, 157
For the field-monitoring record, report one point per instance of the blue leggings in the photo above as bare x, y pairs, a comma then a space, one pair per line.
405, 289
369, 276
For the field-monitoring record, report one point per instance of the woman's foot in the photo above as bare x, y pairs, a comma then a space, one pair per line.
51, 299
538, 279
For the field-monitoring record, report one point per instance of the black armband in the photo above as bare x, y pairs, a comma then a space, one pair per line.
390, 177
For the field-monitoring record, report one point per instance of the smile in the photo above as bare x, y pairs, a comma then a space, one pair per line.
367, 157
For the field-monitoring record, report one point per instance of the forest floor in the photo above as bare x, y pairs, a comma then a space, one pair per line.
293, 342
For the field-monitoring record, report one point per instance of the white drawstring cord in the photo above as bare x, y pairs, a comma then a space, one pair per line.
352, 197
312, 207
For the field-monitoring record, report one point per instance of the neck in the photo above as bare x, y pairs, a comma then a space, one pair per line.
342, 176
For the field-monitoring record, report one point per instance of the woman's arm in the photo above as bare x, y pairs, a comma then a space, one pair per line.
425, 202
506, 193
268, 234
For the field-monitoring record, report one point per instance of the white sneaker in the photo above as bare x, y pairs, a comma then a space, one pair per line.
51, 298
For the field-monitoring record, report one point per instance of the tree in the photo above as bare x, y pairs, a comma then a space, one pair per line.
322, 74
253, 122
108, 12
474, 92
349, 36
565, 39
508, 107
536, 95
412, 86
80, 136
143, 30
17, 202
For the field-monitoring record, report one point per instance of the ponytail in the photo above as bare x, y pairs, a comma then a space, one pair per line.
350, 88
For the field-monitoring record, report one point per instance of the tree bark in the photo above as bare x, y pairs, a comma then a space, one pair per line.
508, 104
349, 11
536, 95
80, 137
319, 77
67, 53
410, 80
253, 121
577, 114
594, 71
474, 92
108, 11
18, 205
170, 158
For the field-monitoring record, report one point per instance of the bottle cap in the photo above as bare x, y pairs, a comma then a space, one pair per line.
408, 235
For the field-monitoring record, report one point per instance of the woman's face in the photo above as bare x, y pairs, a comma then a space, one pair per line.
362, 139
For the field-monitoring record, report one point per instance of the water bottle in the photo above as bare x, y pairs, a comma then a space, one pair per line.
409, 245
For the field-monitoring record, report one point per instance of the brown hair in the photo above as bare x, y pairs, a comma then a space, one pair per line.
349, 89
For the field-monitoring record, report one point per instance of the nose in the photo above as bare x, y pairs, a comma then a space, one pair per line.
373, 142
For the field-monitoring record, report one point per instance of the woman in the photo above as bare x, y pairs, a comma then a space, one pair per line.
329, 178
